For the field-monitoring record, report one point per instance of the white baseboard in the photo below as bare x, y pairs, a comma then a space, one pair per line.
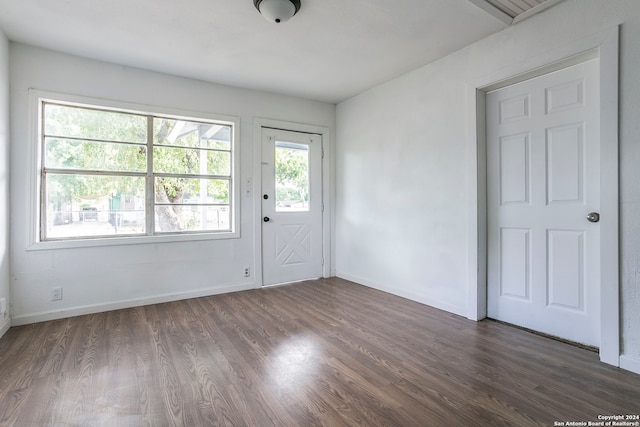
25, 319
4, 327
630, 364
432, 302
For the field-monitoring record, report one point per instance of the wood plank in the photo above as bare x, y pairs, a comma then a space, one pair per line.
324, 352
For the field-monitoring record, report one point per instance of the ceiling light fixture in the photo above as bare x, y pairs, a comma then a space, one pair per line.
277, 11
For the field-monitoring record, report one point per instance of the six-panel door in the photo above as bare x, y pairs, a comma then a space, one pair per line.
543, 171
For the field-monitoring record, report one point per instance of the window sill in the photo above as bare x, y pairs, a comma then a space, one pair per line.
133, 240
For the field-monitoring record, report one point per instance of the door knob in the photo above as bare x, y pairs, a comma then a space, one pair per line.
266, 219
593, 217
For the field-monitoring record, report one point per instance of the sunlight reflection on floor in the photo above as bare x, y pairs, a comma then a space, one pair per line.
294, 363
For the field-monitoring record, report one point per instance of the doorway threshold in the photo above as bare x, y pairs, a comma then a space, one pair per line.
553, 337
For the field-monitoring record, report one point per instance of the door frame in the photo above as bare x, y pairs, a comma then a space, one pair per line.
256, 185
604, 46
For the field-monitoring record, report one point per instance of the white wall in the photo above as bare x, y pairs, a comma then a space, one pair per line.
99, 278
401, 168
4, 180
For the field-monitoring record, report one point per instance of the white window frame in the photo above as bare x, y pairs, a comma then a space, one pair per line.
36, 100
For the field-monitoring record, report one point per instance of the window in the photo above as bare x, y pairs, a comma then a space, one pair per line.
122, 173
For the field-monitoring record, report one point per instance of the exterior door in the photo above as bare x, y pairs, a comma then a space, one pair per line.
291, 206
543, 172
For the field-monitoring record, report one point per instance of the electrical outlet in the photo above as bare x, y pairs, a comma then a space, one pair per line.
56, 294
3, 308
247, 272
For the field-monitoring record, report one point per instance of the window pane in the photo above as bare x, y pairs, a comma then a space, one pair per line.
191, 190
171, 219
93, 205
292, 177
191, 161
88, 155
77, 122
191, 134
99, 178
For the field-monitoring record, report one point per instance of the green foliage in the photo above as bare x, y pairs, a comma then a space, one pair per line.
109, 142
84, 123
292, 175
87, 155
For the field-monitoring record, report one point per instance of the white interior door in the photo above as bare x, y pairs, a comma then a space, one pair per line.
291, 206
543, 172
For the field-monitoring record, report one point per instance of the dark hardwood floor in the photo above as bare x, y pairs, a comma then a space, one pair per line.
326, 352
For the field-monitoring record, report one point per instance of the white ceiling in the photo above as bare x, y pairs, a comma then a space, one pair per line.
331, 50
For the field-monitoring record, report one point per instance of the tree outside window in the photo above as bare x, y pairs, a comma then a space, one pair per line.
118, 173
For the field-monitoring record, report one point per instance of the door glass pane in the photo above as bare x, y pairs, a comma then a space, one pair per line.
292, 177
